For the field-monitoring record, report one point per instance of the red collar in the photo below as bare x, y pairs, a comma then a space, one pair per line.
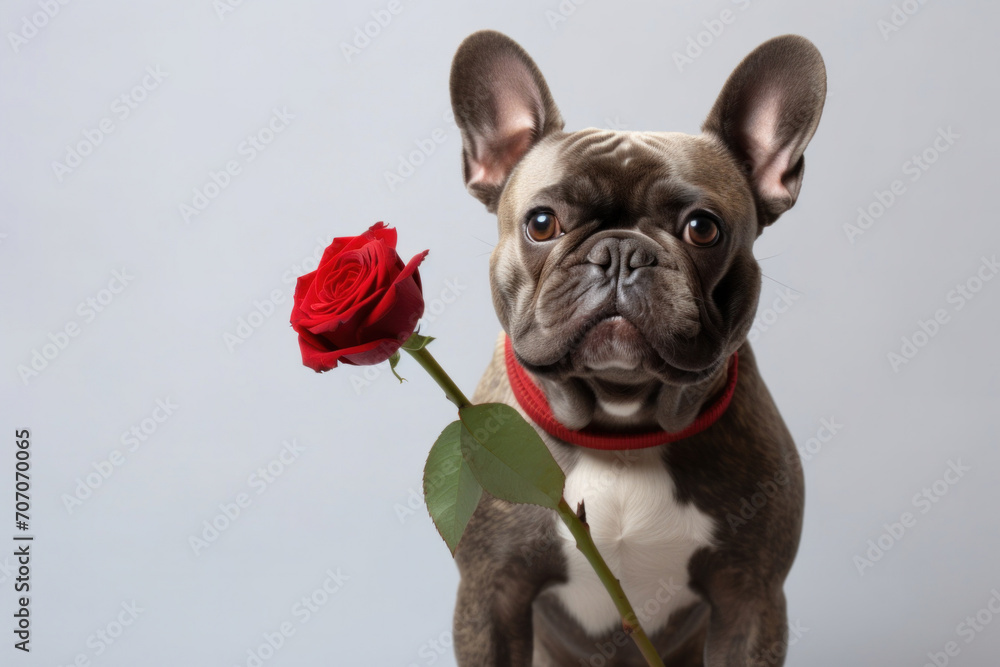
534, 403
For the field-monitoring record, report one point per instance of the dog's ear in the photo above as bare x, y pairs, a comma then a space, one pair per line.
767, 113
502, 107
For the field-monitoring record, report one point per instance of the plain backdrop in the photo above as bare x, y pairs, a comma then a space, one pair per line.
177, 324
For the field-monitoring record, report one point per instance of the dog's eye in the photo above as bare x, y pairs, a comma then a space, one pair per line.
702, 231
543, 226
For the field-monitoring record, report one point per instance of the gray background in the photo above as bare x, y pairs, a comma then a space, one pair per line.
338, 506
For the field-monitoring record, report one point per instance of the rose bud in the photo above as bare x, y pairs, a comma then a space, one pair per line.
360, 304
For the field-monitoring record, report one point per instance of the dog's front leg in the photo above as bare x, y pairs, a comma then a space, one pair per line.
507, 555
747, 633
492, 628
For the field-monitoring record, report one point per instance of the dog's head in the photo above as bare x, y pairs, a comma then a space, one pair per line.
624, 259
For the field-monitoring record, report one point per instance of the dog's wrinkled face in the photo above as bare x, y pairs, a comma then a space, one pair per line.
624, 262
645, 238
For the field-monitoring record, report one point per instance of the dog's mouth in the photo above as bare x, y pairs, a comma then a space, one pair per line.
612, 348
613, 344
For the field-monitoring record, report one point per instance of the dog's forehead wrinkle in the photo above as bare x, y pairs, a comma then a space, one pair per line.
624, 174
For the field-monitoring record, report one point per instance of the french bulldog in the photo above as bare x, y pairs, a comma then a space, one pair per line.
625, 283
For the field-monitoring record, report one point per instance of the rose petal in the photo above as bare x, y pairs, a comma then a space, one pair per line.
389, 301
341, 295
356, 312
384, 233
369, 354
302, 286
360, 304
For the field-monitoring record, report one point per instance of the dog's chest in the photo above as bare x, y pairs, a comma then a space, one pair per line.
644, 534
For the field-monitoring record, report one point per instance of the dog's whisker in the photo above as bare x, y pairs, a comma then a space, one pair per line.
782, 284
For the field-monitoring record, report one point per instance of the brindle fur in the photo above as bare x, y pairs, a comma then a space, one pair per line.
694, 308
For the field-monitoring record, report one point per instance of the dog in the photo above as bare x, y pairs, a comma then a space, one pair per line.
625, 283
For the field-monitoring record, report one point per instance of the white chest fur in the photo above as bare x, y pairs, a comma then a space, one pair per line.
644, 534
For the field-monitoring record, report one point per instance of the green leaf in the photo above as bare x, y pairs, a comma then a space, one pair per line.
393, 360
450, 488
508, 457
416, 342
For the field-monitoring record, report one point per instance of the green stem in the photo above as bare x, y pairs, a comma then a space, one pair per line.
430, 364
630, 622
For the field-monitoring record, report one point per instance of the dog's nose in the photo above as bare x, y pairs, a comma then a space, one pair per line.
617, 255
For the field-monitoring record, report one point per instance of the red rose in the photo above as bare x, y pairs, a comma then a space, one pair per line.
360, 305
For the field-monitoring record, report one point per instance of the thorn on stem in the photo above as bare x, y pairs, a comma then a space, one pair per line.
581, 513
